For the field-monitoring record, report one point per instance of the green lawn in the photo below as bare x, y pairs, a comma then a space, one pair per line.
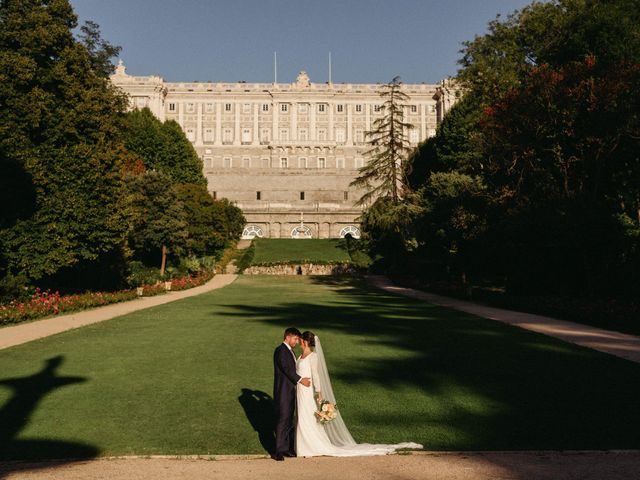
195, 377
286, 250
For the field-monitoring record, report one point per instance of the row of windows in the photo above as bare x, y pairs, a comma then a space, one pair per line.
303, 135
283, 162
345, 195
285, 107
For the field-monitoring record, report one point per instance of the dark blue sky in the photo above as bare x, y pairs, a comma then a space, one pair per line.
230, 40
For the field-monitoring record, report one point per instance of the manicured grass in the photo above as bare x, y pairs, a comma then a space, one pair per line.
195, 377
285, 250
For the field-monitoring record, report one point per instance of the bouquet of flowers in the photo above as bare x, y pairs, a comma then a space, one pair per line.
327, 411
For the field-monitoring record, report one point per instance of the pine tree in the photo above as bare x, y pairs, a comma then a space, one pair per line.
385, 174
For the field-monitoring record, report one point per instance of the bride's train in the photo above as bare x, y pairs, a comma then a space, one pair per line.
331, 439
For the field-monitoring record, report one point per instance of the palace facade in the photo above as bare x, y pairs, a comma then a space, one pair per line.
285, 153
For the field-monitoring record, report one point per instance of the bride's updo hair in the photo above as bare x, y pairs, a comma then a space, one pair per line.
309, 337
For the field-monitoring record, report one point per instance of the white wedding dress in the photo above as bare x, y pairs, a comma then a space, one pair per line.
333, 439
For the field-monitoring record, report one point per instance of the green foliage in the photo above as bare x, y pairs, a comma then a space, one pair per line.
207, 221
157, 217
100, 51
533, 178
61, 183
163, 147
235, 219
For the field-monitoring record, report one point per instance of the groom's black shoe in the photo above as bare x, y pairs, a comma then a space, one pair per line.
289, 454
278, 457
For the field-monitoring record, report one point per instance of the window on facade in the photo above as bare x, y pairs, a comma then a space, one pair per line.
284, 162
284, 134
346, 195
302, 162
377, 108
172, 107
227, 135
322, 162
258, 195
433, 109
208, 107
226, 162
321, 107
208, 135
265, 135
303, 108
303, 136
359, 108
265, 107
191, 107
339, 162
191, 134
208, 162
359, 136
359, 163
214, 194
264, 163
414, 108
246, 108
339, 108
301, 195
246, 135
227, 107
246, 162
284, 107
340, 135
322, 135
413, 136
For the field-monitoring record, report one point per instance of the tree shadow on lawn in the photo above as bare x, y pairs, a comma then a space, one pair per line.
15, 414
259, 409
482, 385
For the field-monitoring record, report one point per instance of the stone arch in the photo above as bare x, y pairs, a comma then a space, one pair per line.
350, 230
301, 231
252, 231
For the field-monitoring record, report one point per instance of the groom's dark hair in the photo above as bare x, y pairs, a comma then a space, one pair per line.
291, 331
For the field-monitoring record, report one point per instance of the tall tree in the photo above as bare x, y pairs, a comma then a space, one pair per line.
100, 51
384, 174
59, 137
159, 222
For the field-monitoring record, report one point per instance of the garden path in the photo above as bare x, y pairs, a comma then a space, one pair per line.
614, 343
27, 332
422, 465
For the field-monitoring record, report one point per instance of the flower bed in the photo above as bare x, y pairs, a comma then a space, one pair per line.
46, 303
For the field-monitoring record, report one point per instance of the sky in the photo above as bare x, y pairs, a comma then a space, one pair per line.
371, 41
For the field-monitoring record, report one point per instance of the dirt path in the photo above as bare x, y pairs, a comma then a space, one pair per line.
26, 332
614, 343
440, 466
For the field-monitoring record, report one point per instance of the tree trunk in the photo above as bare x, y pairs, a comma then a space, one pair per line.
164, 260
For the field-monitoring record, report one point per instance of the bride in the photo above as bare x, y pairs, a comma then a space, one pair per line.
331, 439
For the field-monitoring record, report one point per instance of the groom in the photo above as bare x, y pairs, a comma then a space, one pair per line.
284, 392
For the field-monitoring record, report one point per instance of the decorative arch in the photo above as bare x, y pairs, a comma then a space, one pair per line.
350, 230
252, 231
301, 232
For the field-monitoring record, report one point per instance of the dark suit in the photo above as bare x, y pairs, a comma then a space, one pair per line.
284, 396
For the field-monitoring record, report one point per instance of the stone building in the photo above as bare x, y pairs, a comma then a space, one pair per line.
285, 153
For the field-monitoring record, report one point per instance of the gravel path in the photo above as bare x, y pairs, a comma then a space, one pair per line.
606, 341
440, 466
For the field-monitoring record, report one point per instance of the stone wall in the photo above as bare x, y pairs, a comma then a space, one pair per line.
302, 269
